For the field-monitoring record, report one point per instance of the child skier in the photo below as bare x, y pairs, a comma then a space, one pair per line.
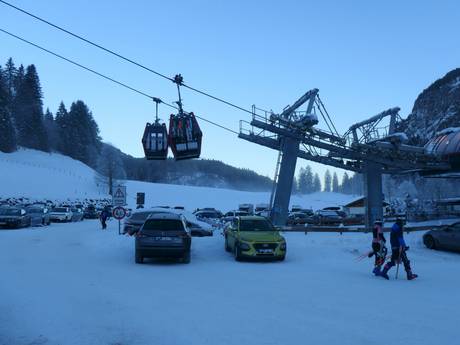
398, 251
378, 247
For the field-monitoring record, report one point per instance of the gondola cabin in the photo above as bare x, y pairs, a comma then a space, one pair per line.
185, 136
155, 141
446, 145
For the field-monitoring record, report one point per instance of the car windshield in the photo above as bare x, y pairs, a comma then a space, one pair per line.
256, 225
142, 216
241, 213
34, 210
59, 209
163, 225
329, 213
207, 215
10, 212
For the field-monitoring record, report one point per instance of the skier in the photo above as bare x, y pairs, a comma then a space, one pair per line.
378, 247
398, 251
103, 218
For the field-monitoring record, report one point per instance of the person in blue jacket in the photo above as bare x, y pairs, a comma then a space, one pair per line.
398, 251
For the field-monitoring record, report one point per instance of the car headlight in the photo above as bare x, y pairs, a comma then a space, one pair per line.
244, 246
283, 246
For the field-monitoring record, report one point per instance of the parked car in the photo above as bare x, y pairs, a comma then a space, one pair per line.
197, 230
261, 207
325, 217
249, 208
14, 217
61, 214
77, 214
264, 213
90, 212
254, 237
211, 214
296, 208
297, 218
228, 217
307, 211
354, 219
134, 223
39, 215
446, 238
163, 235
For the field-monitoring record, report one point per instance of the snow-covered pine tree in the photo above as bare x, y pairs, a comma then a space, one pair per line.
28, 108
335, 183
327, 181
316, 183
309, 180
62, 123
345, 186
301, 180
51, 130
7, 131
84, 134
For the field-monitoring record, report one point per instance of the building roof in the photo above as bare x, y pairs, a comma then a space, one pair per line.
360, 203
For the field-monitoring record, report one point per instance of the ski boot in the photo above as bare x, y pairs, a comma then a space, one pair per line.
377, 271
411, 276
384, 273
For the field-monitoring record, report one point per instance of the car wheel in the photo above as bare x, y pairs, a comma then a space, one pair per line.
186, 258
138, 258
237, 252
429, 242
281, 258
227, 247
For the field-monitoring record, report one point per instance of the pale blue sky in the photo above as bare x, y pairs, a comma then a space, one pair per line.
364, 56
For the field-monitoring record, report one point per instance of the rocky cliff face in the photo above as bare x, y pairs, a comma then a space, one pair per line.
436, 108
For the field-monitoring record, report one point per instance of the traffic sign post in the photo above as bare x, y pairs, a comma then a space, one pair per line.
119, 213
140, 199
119, 196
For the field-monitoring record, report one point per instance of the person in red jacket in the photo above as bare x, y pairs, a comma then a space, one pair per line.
378, 247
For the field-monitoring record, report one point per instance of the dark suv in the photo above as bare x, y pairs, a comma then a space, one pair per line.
163, 235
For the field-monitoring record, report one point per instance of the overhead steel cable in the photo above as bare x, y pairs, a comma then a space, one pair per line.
118, 55
142, 93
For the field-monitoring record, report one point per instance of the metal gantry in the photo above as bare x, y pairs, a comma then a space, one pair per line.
367, 147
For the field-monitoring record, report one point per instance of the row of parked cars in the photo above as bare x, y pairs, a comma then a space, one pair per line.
40, 214
297, 216
160, 233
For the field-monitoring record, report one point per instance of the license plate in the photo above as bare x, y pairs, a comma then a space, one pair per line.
265, 251
163, 238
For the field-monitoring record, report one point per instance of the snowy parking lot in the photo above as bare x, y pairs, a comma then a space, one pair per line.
74, 284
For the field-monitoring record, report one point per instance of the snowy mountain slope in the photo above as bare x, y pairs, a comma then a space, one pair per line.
436, 108
38, 175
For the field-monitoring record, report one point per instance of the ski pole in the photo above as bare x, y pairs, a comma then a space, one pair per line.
399, 261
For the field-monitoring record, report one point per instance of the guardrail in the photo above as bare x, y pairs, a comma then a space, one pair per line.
342, 229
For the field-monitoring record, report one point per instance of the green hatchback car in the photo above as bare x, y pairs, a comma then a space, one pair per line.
253, 237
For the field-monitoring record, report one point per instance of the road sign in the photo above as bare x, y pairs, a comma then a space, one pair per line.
119, 196
119, 213
140, 200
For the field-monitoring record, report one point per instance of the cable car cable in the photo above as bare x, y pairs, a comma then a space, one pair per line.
155, 99
122, 57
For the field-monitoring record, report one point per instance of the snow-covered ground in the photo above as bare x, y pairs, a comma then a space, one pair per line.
75, 284
40, 175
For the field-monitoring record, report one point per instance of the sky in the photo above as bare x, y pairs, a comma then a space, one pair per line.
363, 56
